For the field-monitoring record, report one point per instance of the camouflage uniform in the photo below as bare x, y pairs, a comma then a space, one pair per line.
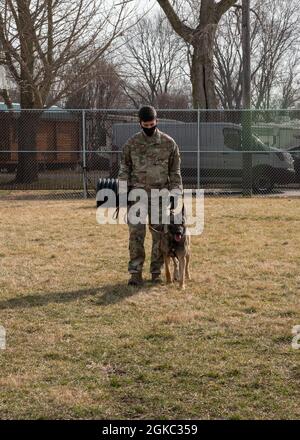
149, 162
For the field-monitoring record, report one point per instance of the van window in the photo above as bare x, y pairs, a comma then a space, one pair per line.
232, 138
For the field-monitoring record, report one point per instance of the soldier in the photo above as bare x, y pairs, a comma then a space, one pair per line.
150, 160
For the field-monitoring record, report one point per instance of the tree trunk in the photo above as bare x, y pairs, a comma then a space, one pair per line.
202, 39
27, 127
202, 69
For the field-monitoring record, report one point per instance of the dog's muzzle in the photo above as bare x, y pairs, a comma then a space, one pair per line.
177, 237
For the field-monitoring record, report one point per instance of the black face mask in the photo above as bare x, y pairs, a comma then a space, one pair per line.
149, 131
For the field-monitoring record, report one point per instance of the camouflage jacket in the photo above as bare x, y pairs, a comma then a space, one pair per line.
151, 162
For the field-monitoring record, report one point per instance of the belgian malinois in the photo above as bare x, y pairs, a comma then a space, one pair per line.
176, 245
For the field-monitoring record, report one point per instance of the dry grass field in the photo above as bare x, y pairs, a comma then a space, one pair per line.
81, 344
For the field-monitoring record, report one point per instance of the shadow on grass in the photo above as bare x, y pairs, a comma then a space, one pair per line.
104, 295
112, 294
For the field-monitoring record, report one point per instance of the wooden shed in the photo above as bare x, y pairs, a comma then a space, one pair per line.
58, 140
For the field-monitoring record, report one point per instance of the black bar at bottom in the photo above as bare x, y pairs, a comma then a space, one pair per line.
104, 429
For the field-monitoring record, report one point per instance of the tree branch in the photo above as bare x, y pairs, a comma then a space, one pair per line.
181, 29
223, 7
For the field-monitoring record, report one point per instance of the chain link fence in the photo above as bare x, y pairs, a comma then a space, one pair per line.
223, 151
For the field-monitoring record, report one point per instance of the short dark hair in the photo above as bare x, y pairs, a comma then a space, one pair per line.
147, 113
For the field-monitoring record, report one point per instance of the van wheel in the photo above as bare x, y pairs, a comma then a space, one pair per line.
263, 182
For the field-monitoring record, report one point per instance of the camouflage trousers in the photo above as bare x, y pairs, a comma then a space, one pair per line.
137, 233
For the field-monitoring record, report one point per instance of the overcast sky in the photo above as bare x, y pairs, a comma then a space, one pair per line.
146, 4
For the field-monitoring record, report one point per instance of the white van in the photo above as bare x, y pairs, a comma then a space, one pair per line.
220, 153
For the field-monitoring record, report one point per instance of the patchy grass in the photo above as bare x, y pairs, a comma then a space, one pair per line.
81, 344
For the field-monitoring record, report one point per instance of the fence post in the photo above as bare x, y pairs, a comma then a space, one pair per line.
198, 148
247, 156
84, 174
246, 118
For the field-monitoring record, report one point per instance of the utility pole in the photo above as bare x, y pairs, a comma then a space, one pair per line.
246, 114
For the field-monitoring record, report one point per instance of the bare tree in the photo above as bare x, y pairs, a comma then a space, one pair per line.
40, 39
288, 93
200, 36
152, 62
279, 39
103, 90
228, 61
274, 54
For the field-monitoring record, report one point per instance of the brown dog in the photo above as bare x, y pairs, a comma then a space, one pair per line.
176, 245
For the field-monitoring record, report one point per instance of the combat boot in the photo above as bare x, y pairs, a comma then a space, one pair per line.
136, 279
156, 278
